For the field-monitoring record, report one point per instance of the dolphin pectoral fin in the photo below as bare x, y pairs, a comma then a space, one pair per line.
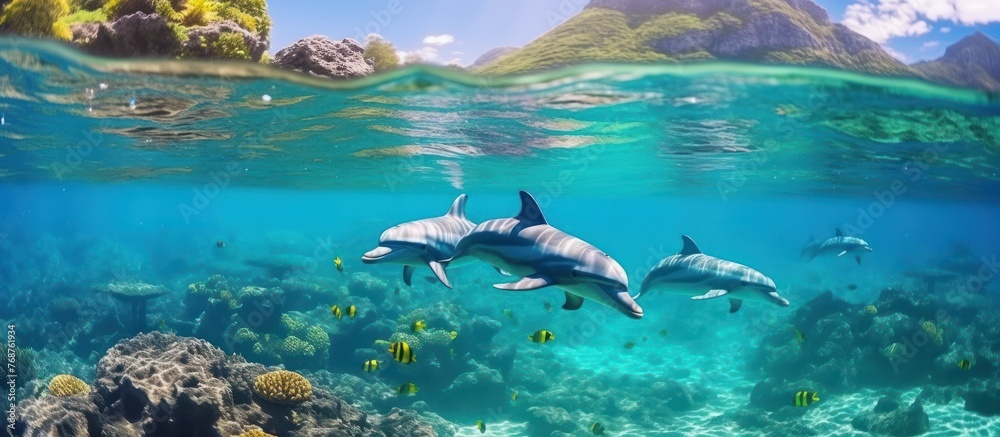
573, 302
408, 274
734, 305
525, 284
438, 269
711, 294
500, 271
841, 253
858, 259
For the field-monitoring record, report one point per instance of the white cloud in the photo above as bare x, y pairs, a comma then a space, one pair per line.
882, 20
930, 44
945, 29
439, 40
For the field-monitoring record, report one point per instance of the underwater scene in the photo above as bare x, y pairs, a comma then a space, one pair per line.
205, 248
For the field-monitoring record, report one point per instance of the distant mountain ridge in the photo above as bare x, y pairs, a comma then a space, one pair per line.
791, 32
492, 55
797, 32
974, 61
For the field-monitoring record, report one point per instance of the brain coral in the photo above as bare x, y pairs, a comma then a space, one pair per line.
318, 338
67, 385
283, 387
296, 347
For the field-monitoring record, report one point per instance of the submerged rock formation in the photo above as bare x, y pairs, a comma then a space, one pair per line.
158, 384
890, 418
320, 56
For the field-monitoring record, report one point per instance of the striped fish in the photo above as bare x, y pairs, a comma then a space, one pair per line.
965, 364
805, 398
402, 352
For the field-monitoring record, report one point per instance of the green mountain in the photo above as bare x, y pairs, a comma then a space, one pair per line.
974, 61
771, 31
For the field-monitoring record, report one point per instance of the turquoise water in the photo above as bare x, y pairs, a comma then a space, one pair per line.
136, 171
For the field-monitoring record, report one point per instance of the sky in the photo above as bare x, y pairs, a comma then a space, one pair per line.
458, 31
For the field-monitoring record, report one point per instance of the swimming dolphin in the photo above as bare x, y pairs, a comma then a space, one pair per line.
422, 242
691, 272
840, 245
526, 246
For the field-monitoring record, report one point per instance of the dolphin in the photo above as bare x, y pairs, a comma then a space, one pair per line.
422, 242
690, 272
840, 245
526, 246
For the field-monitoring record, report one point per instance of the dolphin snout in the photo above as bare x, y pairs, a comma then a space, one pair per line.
375, 254
777, 299
626, 305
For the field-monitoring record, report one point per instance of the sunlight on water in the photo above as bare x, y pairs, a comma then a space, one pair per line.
234, 203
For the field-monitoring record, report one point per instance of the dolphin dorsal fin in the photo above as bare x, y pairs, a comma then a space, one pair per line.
840, 233
530, 214
690, 248
458, 207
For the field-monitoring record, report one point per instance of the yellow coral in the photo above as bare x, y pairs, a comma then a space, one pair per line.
293, 325
410, 339
245, 335
296, 347
318, 338
283, 387
67, 385
936, 334
255, 432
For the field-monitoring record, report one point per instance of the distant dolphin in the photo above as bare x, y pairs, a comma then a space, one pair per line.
839, 245
422, 242
692, 273
527, 247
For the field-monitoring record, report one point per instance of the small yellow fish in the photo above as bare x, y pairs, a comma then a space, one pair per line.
805, 397
870, 309
542, 336
370, 366
408, 388
799, 335
340, 264
418, 326
481, 426
402, 352
509, 313
452, 354
597, 428
453, 334
965, 364
335, 310
352, 311
513, 397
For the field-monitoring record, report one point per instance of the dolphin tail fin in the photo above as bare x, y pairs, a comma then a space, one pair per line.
408, 274
438, 267
458, 207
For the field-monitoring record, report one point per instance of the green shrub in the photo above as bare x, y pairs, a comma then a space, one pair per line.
382, 54
119, 8
41, 18
241, 18
230, 45
85, 16
167, 10
87, 5
198, 13
257, 9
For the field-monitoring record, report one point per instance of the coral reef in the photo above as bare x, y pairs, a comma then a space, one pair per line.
159, 384
67, 385
283, 387
889, 418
